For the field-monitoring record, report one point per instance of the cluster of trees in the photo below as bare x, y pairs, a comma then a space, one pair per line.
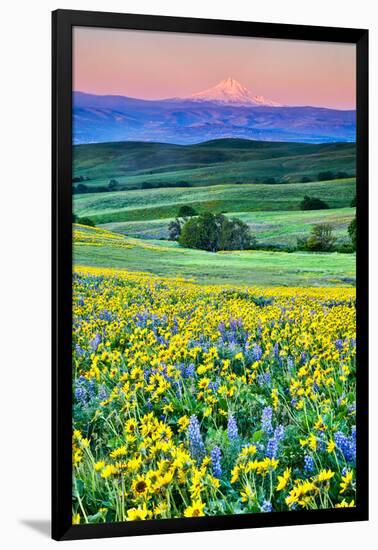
329, 175
83, 221
323, 239
312, 203
211, 232
214, 232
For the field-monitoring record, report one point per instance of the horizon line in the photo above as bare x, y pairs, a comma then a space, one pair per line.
188, 98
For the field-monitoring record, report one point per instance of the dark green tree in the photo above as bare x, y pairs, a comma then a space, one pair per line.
86, 221
326, 175
312, 203
321, 238
186, 211
352, 232
213, 232
174, 228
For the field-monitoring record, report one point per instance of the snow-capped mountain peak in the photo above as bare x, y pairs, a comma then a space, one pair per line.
231, 91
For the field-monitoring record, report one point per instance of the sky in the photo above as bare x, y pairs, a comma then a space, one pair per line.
156, 65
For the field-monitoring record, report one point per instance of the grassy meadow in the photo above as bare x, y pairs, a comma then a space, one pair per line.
210, 383
223, 161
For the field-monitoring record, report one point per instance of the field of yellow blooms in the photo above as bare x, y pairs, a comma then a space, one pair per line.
197, 400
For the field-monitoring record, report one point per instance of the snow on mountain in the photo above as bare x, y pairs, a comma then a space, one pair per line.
232, 92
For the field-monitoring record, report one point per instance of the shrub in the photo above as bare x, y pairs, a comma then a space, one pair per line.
174, 229
213, 232
86, 221
312, 203
146, 185
327, 175
81, 188
186, 211
353, 202
321, 239
306, 179
352, 232
342, 175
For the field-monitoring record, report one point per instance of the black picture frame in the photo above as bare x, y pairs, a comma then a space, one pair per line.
62, 23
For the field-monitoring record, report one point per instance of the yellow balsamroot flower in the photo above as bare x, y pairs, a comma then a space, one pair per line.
346, 481
283, 480
99, 465
207, 412
302, 493
275, 400
331, 446
167, 408
247, 451
195, 510
131, 426
121, 451
239, 356
140, 486
76, 519
235, 474
108, 471
325, 475
135, 514
77, 456
345, 504
311, 442
247, 495
160, 509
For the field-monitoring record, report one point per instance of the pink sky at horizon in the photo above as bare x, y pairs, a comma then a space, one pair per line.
157, 65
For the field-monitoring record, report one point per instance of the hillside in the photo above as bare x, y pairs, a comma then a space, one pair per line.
97, 247
270, 228
152, 204
140, 164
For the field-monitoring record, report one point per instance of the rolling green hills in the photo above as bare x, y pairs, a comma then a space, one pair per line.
270, 228
101, 248
153, 204
231, 161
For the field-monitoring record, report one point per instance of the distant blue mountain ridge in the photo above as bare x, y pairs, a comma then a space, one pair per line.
109, 118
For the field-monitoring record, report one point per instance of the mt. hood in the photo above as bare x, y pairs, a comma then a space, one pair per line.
230, 91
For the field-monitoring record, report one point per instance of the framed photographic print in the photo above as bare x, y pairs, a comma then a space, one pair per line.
210, 353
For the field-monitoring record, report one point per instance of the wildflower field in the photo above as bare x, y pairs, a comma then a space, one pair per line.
194, 400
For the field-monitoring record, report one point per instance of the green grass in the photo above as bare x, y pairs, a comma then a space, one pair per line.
153, 204
276, 228
94, 247
210, 163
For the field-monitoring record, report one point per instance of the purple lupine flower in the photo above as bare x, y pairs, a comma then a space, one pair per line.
256, 352
266, 506
346, 445
339, 344
232, 428
196, 445
190, 371
81, 394
95, 342
266, 420
79, 350
214, 385
276, 350
273, 442
102, 393
309, 464
263, 379
215, 461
